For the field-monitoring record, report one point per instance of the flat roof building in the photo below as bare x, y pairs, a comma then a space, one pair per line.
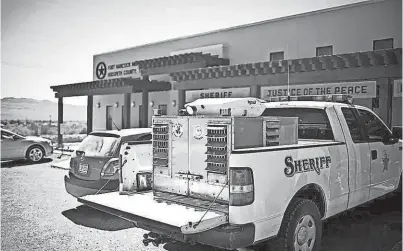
354, 49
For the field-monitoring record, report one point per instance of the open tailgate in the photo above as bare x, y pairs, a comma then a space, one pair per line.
144, 207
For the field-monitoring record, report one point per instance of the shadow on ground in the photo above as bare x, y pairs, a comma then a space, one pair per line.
373, 227
92, 218
10, 164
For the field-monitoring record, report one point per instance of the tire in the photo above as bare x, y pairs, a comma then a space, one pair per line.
301, 226
35, 154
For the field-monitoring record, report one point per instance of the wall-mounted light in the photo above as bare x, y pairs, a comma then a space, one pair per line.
117, 104
173, 103
133, 104
152, 103
98, 105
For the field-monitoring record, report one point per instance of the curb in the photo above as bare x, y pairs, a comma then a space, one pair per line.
59, 167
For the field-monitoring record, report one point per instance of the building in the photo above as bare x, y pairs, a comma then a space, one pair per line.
352, 49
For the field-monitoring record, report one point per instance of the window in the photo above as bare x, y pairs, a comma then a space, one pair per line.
6, 135
98, 145
312, 123
376, 130
353, 124
383, 44
164, 109
324, 51
275, 56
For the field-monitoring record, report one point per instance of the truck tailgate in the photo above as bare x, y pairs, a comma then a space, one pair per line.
145, 205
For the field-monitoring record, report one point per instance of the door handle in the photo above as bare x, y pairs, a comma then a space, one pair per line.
374, 154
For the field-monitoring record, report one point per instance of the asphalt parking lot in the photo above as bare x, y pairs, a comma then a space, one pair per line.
37, 214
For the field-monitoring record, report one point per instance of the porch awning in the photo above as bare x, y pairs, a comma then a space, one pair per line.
110, 86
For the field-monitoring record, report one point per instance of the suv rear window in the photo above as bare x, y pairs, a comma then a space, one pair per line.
312, 123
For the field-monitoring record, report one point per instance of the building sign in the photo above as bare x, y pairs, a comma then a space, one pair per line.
104, 70
362, 89
397, 88
217, 93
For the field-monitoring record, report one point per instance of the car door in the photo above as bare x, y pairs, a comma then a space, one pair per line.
359, 159
385, 155
9, 146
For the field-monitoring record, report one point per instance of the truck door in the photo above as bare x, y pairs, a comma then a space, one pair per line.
359, 159
385, 161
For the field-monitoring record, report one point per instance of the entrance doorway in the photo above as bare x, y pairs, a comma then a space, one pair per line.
109, 118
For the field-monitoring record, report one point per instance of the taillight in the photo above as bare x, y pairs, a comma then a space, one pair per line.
111, 167
241, 186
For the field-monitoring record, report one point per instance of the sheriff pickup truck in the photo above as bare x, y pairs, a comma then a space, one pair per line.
236, 172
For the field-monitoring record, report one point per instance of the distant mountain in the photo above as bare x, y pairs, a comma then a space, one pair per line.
32, 109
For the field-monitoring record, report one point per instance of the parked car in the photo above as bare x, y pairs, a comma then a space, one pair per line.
95, 162
15, 147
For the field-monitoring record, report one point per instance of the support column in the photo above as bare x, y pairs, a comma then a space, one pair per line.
59, 120
181, 99
144, 119
255, 91
90, 108
127, 110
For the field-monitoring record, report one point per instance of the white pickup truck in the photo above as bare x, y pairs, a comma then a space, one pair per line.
232, 173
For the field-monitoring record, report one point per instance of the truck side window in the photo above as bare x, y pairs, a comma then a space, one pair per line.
374, 127
312, 123
354, 126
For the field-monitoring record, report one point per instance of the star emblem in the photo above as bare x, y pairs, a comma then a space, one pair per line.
385, 161
101, 70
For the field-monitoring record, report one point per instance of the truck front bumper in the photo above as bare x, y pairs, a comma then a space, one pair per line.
226, 236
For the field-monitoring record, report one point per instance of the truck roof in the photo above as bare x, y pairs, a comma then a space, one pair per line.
308, 104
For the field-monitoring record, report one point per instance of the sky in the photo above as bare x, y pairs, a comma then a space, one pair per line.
52, 42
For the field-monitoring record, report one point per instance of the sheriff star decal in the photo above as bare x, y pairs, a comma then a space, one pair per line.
177, 130
198, 132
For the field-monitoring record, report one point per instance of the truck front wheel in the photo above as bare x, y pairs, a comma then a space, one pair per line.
302, 226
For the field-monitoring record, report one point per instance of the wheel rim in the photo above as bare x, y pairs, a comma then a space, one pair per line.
35, 154
305, 234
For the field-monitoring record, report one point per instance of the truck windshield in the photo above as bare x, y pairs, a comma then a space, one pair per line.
312, 123
99, 146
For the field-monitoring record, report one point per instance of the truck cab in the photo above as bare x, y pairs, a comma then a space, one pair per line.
235, 172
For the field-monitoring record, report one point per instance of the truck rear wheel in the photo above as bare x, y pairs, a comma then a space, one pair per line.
301, 229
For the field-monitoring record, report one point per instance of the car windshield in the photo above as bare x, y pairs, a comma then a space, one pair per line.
99, 146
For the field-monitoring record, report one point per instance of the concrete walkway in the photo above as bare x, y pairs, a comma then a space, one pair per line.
63, 163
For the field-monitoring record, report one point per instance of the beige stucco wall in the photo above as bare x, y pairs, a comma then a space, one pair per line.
99, 114
348, 30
